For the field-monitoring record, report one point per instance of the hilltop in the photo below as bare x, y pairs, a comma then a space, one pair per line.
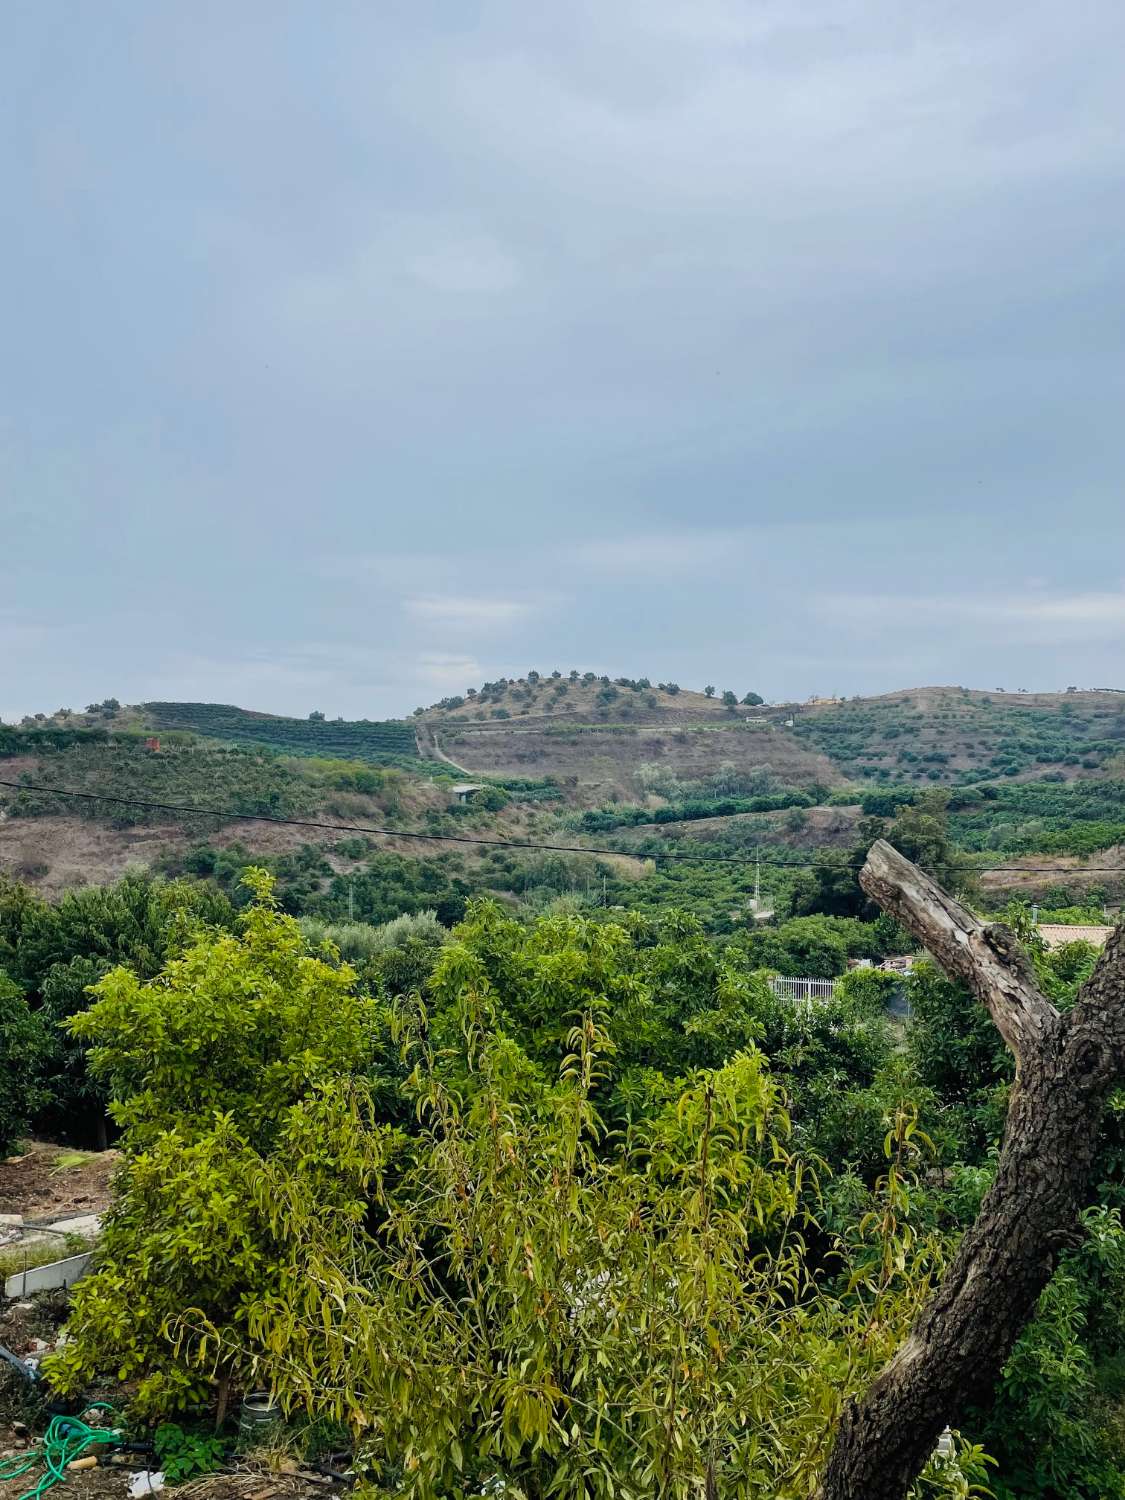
610, 739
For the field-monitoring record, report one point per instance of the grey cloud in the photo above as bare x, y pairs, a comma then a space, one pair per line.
666, 325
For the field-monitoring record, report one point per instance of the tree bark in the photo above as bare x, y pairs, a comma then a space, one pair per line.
1065, 1068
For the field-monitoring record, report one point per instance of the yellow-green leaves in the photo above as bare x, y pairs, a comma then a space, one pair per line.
505, 1270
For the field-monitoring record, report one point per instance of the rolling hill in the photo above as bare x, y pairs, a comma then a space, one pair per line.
356, 739
598, 733
1036, 778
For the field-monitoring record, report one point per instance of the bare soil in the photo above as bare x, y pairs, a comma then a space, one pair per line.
1031, 872
601, 760
95, 1484
55, 1182
57, 853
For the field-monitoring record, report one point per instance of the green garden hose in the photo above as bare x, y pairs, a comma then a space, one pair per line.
65, 1440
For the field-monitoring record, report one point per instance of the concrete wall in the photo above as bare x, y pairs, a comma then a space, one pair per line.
47, 1278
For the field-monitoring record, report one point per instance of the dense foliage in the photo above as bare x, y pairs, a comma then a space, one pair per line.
51, 953
488, 1280
624, 815
1057, 1424
625, 1216
24, 1043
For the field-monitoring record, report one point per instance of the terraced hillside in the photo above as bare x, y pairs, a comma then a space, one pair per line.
954, 735
598, 761
132, 804
600, 734
625, 738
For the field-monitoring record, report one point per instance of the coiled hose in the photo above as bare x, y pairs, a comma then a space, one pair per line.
65, 1440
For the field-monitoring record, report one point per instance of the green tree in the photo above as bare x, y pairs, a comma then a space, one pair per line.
1065, 1373
504, 1292
921, 832
231, 1058
830, 886
56, 951
23, 1044
709, 691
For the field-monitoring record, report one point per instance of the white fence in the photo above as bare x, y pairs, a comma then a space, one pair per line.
803, 989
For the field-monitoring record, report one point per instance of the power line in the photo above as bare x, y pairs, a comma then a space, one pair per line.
393, 833
461, 838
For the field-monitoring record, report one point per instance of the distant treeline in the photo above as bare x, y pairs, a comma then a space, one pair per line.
48, 737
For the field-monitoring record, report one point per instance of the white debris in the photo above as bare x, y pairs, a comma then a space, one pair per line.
147, 1482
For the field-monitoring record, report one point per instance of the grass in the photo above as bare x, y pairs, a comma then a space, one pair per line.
18, 1257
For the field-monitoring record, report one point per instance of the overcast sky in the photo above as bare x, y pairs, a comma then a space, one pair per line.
355, 353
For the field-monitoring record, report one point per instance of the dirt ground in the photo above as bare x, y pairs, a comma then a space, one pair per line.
602, 760
112, 1483
55, 854
53, 1182
1042, 870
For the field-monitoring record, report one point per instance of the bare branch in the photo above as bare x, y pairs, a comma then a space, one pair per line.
988, 958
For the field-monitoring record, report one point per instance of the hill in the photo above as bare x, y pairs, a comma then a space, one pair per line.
376, 741
1031, 780
362, 739
953, 735
604, 735
608, 739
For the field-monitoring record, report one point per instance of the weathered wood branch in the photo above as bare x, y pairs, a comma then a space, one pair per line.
987, 958
1066, 1067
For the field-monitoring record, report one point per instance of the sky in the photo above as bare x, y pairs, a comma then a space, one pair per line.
353, 354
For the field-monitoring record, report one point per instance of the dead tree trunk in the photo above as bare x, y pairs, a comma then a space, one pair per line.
1065, 1067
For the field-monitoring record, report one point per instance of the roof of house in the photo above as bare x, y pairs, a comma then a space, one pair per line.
467, 786
1055, 934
